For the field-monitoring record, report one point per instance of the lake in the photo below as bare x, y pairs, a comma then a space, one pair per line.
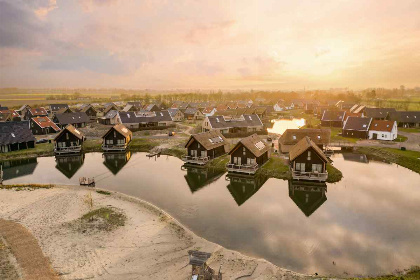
368, 223
280, 125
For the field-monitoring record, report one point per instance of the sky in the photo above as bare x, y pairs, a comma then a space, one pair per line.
210, 44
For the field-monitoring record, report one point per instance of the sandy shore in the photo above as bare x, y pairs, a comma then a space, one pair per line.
151, 244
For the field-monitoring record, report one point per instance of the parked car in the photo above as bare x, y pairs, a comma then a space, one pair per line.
42, 140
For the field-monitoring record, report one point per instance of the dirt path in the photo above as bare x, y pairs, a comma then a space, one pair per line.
28, 253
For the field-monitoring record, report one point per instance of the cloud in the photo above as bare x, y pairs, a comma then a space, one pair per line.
201, 33
260, 67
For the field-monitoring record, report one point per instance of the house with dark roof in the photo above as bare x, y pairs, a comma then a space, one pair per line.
69, 141
405, 119
205, 146
308, 161
241, 124
53, 108
116, 139
248, 155
43, 125
308, 196
152, 108
383, 130
242, 188
193, 114
356, 127
89, 110
331, 118
176, 115
145, 119
110, 118
9, 116
378, 113
116, 161
76, 119
15, 136
321, 137
22, 111
62, 111
36, 112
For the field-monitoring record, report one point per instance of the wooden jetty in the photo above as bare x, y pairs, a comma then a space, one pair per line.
84, 181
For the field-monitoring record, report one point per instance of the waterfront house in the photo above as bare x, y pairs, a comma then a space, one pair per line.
110, 118
54, 108
243, 124
405, 119
308, 196
378, 113
116, 139
68, 141
248, 155
321, 137
383, 130
36, 112
193, 114
331, 118
157, 119
176, 115
15, 136
308, 161
356, 127
76, 119
205, 146
43, 125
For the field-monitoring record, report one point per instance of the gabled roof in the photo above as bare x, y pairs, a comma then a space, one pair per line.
64, 110
405, 116
191, 111
319, 136
71, 118
333, 115
120, 128
359, 124
15, 132
38, 111
5, 116
254, 144
73, 131
209, 140
378, 112
149, 117
173, 112
208, 110
242, 121
111, 114
303, 145
44, 122
86, 107
381, 125
56, 107
128, 107
150, 107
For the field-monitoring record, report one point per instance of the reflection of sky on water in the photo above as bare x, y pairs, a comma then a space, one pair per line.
281, 125
369, 223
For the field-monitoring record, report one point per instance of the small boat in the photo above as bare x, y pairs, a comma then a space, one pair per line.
84, 181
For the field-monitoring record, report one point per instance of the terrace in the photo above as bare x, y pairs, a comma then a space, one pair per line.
114, 147
195, 160
242, 168
68, 150
311, 176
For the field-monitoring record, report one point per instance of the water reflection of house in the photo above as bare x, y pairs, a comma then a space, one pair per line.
69, 165
18, 168
355, 157
308, 196
116, 161
242, 187
199, 177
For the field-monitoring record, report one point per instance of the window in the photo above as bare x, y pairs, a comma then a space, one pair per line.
300, 166
115, 134
67, 136
244, 151
198, 145
309, 155
294, 137
317, 168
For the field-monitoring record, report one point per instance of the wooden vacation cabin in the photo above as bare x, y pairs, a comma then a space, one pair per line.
308, 196
69, 141
321, 137
89, 110
116, 139
308, 162
356, 127
43, 125
205, 146
248, 155
15, 136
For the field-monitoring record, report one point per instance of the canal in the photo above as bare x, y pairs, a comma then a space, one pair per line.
280, 125
368, 223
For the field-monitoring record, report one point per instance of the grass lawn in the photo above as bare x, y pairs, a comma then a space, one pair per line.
334, 175
335, 137
44, 149
411, 130
408, 159
400, 138
276, 168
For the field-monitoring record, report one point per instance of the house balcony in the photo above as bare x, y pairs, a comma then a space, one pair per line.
68, 150
195, 160
114, 148
244, 168
311, 176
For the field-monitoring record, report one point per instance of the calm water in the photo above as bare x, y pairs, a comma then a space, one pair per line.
369, 223
280, 125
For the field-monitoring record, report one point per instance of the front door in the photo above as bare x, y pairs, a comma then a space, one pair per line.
375, 136
237, 160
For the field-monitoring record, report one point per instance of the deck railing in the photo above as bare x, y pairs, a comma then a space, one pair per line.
312, 176
67, 150
195, 160
116, 147
242, 168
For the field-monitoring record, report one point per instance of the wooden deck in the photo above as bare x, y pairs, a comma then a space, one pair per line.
195, 160
68, 150
311, 176
114, 148
247, 169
